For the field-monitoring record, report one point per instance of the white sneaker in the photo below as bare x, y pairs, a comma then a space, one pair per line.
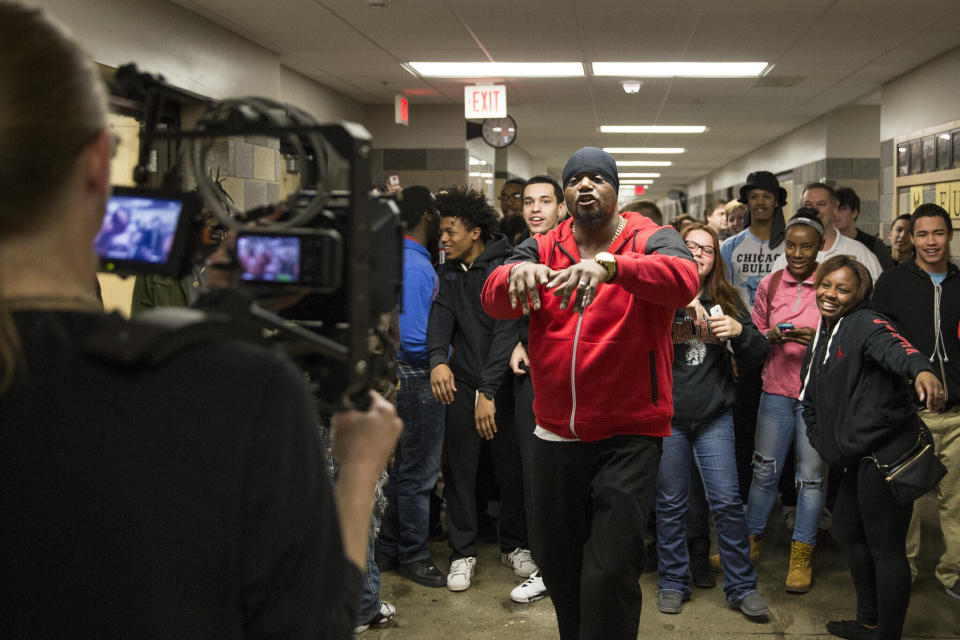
461, 570
384, 614
531, 590
520, 561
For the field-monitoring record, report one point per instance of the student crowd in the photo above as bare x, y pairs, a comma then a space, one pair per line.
802, 354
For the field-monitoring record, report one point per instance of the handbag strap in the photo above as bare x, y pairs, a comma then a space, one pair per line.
922, 441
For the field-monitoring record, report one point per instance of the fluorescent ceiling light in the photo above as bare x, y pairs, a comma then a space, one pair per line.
483, 174
639, 175
644, 149
634, 182
497, 69
651, 128
679, 69
644, 163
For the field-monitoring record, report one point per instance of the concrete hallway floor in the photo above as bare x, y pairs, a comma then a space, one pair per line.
485, 611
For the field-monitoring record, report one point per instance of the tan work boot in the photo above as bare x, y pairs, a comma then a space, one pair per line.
800, 574
755, 543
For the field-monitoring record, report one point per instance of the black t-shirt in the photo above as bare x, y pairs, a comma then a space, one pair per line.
187, 500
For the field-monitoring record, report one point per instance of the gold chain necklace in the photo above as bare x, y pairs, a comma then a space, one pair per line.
616, 234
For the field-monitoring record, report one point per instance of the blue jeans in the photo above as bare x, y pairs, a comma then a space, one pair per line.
370, 598
406, 523
370, 595
708, 444
779, 422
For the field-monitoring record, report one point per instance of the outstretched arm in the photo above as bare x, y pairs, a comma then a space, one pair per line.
666, 274
509, 292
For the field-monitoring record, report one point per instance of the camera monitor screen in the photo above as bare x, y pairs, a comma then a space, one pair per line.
146, 231
265, 258
139, 229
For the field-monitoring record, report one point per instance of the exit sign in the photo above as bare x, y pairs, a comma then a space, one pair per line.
639, 189
485, 101
401, 110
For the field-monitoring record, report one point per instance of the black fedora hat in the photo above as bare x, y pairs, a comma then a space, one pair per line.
766, 181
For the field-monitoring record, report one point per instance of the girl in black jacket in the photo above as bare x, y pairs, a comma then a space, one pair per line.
856, 403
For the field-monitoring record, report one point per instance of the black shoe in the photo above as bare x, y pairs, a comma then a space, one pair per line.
423, 572
700, 570
850, 629
384, 560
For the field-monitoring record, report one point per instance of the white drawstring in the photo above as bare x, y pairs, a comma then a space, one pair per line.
826, 355
939, 346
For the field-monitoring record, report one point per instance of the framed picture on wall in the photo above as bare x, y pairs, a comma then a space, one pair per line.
916, 157
944, 151
929, 154
956, 149
903, 157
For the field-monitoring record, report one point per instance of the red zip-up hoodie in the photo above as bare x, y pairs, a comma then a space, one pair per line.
606, 371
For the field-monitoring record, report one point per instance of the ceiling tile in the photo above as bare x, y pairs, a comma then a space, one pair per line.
841, 49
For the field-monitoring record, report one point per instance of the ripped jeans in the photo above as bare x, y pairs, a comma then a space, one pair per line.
779, 421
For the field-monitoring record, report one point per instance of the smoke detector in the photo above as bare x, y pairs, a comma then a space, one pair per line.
631, 86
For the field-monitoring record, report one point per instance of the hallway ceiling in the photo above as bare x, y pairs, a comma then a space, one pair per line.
827, 54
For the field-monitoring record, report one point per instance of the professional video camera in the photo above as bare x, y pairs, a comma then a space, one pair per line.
326, 259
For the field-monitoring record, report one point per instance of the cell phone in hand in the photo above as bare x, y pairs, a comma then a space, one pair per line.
716, 311
784, 326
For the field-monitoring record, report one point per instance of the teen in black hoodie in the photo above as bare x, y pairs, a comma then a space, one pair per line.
471, 384
856, 403
922, 297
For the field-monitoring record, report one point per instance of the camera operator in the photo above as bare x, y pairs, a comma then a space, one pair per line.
134, 506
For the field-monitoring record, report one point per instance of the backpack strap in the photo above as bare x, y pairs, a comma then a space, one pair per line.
774, 285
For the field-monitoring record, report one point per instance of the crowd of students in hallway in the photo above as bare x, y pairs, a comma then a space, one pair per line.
773, 291
622, 375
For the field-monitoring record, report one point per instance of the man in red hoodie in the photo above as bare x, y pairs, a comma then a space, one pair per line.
601, 290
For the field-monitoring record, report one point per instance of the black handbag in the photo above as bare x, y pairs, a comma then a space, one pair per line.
915, 472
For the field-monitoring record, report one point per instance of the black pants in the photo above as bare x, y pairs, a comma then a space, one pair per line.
749, 388
872, 531
592, 502
525, 425
462, 444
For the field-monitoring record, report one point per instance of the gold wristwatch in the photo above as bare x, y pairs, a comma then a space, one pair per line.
608, 262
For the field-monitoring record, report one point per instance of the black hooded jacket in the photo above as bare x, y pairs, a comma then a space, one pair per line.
907, 295
481, 345
856, 393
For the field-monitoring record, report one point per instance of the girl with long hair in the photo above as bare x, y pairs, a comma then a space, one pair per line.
702, 432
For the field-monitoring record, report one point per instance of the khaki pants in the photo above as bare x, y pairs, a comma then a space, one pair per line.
945, 428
